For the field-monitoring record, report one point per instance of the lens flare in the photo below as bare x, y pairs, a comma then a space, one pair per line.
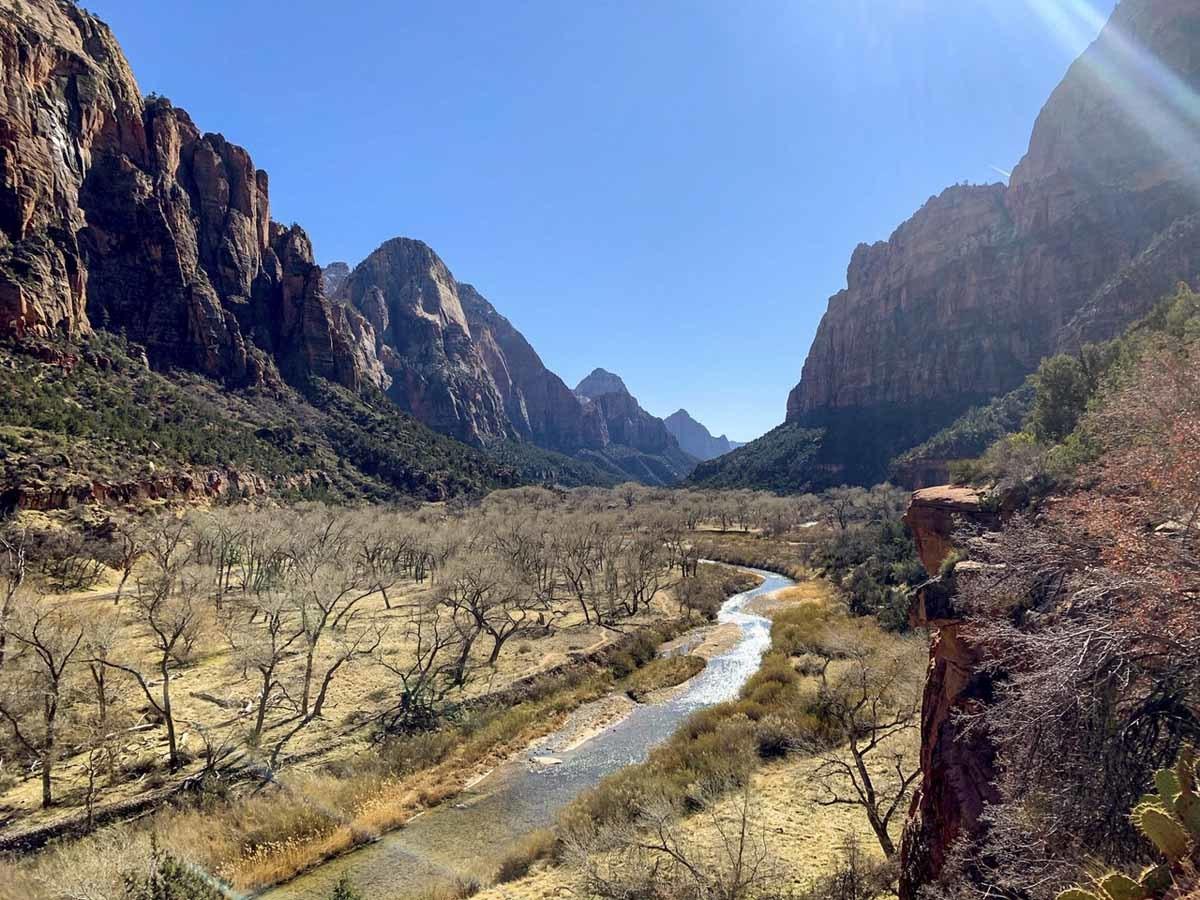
1150, 95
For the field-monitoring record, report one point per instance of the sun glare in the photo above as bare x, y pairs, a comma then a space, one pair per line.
1151, 96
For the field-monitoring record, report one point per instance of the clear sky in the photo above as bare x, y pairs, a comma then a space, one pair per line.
670, 189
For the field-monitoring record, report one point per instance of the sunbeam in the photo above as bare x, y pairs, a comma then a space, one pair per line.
1150, 95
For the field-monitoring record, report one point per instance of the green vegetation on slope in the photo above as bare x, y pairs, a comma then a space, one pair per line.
970, 435
97, 413
1055, 438
73, 415
778, 461
536, 465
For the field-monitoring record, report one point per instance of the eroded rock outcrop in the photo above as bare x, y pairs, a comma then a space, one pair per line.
983, 282
121, 214
179, 486
957, 765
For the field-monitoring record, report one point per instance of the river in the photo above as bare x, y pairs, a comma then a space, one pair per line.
469, 836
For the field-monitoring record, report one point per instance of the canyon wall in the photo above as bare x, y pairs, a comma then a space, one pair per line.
119, 213
968, 296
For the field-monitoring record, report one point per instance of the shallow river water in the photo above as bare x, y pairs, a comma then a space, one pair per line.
470, 835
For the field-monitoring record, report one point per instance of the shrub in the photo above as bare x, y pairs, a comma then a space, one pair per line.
345, 890
663, 673
538, 845
170, 879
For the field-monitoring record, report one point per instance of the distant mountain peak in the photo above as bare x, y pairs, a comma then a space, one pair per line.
335, 274
695, 439
601, 382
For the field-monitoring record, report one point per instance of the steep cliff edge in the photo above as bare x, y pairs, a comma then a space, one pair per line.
537, 403
121, 214
957, 765
970, 294
966, 297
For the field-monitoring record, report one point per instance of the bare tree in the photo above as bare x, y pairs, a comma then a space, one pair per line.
579, 542
486, 597
654, 857
346, 647
166, 606
844, 504
49, 638
528, 544
382, 553
427, 669
324, 586
267, 642
633, 575
220, 745
871, 696
99, 642
13, 565
681, 550
129, 546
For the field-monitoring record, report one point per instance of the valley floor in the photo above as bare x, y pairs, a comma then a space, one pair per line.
804, 841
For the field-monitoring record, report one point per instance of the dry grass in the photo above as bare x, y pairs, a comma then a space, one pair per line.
804, 838
662, 673
349, 790
719, 747
263, 838
536, 846
254, 839
214, 672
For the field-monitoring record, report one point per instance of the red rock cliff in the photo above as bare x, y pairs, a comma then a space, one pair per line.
957, 768
971, 293
120, 213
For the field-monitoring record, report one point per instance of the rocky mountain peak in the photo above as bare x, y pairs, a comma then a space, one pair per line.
424, 342
695, 439
599, 383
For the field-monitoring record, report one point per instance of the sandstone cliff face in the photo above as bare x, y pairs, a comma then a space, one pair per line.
957, 765
120, 214
424, 342
970, 294
538, 405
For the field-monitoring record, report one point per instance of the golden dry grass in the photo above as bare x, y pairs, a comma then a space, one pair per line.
803, 839
310, 815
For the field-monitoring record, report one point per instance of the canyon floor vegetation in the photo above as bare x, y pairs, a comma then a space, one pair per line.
208, 670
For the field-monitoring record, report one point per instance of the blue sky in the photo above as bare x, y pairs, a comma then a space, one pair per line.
670, 189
